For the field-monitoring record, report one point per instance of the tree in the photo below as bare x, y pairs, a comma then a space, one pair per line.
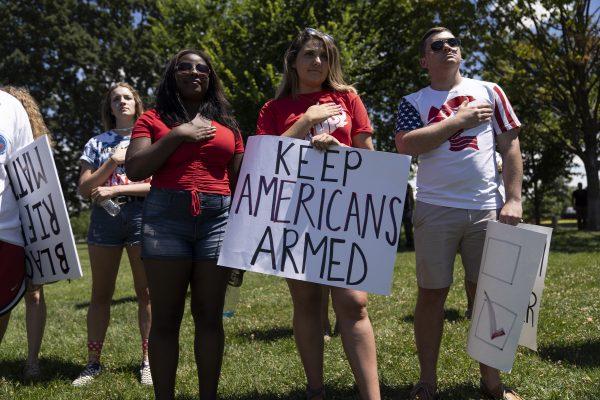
67, 54
552, 49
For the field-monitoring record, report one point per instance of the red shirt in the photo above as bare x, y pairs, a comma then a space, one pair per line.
278, 115
198, 167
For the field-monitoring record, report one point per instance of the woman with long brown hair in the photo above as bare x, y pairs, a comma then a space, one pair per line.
103, 179
313, 102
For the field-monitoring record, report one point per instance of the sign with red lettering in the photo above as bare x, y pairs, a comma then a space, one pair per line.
50, 252
331, 217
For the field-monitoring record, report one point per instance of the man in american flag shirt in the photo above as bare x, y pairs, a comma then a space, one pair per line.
454, 126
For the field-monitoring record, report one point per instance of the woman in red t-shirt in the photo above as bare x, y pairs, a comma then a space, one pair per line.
313, 102
191, 145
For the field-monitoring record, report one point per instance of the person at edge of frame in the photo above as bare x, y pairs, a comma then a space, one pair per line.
35, 303
15, 133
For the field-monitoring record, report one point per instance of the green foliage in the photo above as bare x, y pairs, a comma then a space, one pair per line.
67, 53
80, 223
378, 42
548, 53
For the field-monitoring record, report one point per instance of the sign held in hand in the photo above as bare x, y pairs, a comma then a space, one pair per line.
50, 252
330, 217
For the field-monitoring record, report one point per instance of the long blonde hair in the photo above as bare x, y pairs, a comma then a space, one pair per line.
38, 126
108, 119
335, 79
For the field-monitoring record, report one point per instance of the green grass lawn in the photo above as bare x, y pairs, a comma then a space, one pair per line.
260, 356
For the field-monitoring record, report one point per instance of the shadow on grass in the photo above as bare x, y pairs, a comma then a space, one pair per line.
53, 369
450, 315
570, 240
114, 302
580, 354
268, 335
460, 392
332, 393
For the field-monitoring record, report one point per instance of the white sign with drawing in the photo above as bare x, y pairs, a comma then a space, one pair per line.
50, 252
330, 217
510, 262
529, 333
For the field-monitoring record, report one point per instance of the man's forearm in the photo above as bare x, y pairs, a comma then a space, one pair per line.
427, 138
512, 172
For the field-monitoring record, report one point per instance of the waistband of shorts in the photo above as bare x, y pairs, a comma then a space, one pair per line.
182, 194
127, 199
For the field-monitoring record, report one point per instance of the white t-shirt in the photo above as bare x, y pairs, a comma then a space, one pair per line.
15, 132
462, 171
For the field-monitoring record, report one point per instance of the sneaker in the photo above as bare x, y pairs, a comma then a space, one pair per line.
88, 374
145, 375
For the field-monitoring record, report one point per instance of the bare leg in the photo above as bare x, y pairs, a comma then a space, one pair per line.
429, 326
308, 329
325, 311
209, 283
357, 337
168, 282
35, 322
3, 325
470, 292
142, 293
104, 261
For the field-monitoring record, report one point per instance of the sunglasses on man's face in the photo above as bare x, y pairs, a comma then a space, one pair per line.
187, 68
439, 44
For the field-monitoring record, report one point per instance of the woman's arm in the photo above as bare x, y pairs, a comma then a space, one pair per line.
102, 193
90, 179
144, 158
234, 170
363, 141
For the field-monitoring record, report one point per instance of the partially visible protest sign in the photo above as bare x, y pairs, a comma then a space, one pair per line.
509, 265
331, 217
529, 333
50, 252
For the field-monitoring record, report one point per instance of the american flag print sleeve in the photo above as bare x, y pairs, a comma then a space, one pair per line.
407, 118
504, 118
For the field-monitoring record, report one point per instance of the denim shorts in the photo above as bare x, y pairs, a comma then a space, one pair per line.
124, 229
172, 232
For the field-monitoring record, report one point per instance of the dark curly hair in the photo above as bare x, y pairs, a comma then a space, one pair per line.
214, 104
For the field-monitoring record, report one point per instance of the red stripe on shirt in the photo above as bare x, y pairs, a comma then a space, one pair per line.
509, 117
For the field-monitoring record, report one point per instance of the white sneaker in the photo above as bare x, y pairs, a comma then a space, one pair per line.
145, 375
88, 374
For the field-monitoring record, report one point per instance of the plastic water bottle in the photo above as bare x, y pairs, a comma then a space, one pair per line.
111, 207
236, 277
232, 295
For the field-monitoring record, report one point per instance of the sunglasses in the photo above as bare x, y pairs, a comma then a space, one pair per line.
439, 44
187, 68
318, 33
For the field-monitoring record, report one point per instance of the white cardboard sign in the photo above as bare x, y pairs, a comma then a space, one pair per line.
329, 217
50, 252
510, 262
530, 324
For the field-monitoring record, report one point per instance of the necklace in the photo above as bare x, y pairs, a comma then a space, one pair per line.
124, 130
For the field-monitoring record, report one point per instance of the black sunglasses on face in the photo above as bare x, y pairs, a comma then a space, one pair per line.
187, 68
439, 44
